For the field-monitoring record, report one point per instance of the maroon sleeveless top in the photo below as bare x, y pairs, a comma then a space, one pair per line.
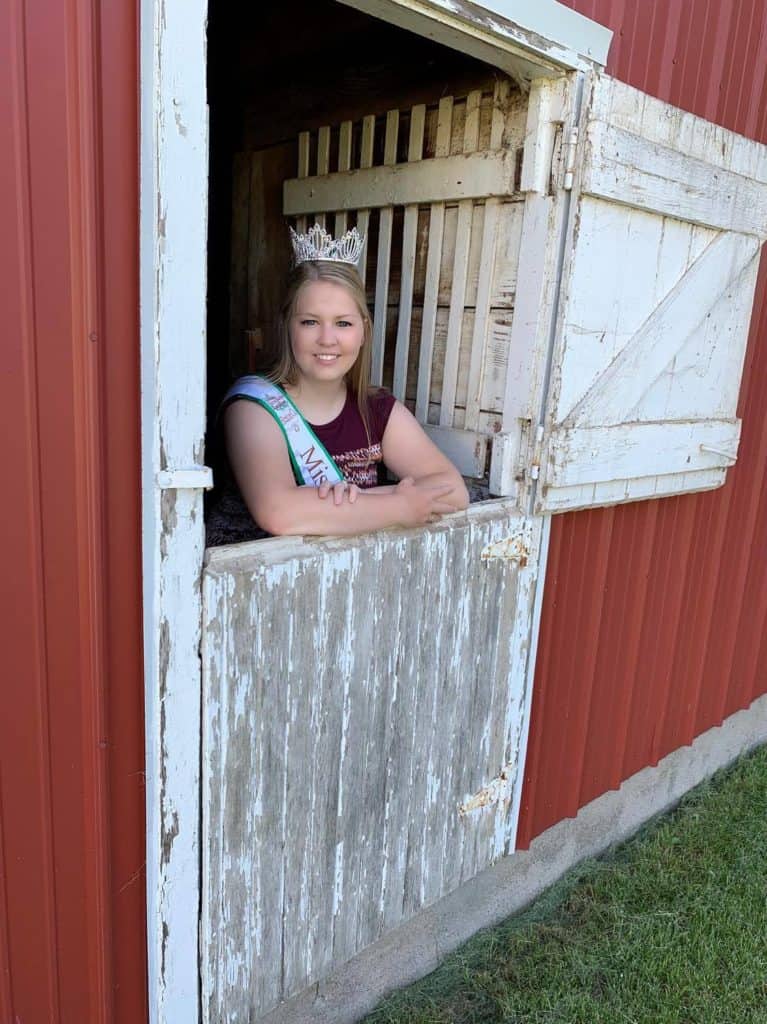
357, 455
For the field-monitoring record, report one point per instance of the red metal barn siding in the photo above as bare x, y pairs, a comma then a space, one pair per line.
72, 899
654, 620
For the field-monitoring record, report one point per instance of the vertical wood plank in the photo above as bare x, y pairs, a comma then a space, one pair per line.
303, 171
460, 268
485, 286
479, 339
433, 263
366, 160
409, 240
323, 164
384, 256
344, 164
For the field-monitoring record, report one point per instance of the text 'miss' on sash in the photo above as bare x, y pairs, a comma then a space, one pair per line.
312, 463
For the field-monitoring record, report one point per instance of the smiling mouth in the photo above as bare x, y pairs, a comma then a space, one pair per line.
326, 358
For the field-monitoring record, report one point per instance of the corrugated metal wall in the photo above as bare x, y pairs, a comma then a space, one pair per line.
654, 622
72, 901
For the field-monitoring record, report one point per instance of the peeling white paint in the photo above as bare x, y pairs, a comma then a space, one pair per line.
361, 757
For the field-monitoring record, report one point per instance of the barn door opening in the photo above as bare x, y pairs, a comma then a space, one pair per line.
435, 138
365, 700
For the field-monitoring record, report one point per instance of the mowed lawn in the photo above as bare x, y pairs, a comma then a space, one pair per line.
669, 928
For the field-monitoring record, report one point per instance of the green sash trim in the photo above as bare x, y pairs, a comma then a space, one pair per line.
312, 463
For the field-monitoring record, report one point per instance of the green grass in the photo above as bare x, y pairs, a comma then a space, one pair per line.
669, 928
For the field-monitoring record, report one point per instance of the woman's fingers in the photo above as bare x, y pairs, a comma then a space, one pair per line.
338, 490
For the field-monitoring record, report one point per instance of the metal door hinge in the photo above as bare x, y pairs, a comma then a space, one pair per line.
570, 148
191, 478
535, 464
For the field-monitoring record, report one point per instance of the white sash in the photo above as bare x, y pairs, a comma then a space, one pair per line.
312, 463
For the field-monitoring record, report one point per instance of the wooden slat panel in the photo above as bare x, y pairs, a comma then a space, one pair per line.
321, 832
496, 362
433, 263
482, 312
384, 254
344, 163
366, 160
460, 268
409, 239
486, 276
323, 166
462, 176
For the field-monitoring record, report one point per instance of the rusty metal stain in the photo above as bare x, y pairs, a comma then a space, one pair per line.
494, 792
510, 549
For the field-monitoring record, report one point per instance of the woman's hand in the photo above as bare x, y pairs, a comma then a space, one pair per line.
339, 491
422, 502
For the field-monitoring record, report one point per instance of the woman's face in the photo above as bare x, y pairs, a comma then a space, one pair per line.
326, 331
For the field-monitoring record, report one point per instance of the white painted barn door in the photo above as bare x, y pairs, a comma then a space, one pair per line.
667, 219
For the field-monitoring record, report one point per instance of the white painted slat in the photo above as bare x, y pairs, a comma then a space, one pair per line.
455, 316
384, 255
366, 160
303, 171
471, 124
462, 176
323, 166
482, 312
501, 93
460, 269
433, 264
583, 455
631, 170
656, 121
409, 241
487, 272
618, 492
344, 164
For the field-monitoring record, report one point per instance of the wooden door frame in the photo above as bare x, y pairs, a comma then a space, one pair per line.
173, 253
173, 256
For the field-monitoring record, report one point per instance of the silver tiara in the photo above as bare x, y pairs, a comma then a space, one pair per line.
317, 244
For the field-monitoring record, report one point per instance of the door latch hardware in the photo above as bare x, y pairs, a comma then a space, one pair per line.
719, 451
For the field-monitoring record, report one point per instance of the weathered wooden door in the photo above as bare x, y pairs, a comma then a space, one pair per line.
366, 709
668, 217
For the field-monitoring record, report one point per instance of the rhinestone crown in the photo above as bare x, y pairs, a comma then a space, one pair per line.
317, 244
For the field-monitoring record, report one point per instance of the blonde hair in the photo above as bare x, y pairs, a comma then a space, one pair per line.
285, 370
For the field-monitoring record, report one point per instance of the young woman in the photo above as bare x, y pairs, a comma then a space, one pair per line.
305, 444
